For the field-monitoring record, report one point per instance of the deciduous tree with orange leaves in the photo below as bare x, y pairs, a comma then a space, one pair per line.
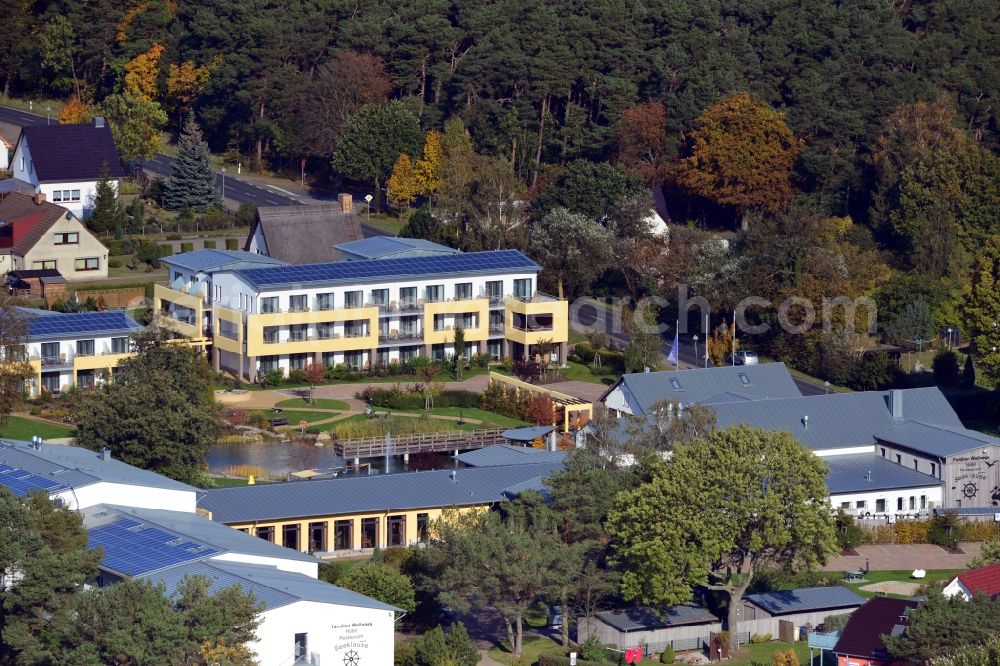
76, 112
742, 156
430, 169
405, 183
184, 83
142, 74
642, 142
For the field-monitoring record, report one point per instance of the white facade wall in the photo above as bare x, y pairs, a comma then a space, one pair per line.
923, 499
102, 345
956, 588
139, 497
619, 400
333, 632
23, 167
82, 207
305, 568
257, 244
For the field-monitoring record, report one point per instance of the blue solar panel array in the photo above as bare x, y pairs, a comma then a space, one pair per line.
83, 322
133, 548
22, 482
346, 271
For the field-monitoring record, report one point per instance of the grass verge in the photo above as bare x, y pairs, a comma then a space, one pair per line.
22, 428
489, 419
322, 403
899, 575
532, 647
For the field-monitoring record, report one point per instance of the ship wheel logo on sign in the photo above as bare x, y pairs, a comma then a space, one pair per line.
970, 490
352, 659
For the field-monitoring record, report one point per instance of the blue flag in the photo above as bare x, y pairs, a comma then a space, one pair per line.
672, 356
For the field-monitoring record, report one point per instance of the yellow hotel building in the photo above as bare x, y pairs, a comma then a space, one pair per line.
387, 300
361, 513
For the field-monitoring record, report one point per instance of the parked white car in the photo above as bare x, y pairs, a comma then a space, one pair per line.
744, 358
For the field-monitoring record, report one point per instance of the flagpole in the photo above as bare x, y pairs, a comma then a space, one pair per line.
676, 350
734, 338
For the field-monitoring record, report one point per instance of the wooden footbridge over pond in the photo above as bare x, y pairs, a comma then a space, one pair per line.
404, 445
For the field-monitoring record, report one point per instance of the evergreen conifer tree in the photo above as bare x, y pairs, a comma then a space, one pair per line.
107, 214
192, 181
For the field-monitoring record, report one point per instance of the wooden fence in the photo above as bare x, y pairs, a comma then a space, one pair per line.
124, 297
437, 442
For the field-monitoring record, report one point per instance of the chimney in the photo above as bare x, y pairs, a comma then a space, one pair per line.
805, 422
98, 121
454, 476
346, 203
896, 403
868, 476
105, 454
39, 198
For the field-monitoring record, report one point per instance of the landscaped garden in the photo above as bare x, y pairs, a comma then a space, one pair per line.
18, 427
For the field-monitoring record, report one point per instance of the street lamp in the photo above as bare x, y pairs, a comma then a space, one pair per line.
827, 385
368, 207
48, 111
223, 188
695, 338
949, 338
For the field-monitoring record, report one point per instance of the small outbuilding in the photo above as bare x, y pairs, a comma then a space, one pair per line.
39, 282
681, 627
784, 613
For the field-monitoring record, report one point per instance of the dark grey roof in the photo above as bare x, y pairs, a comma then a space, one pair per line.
384, 247
966, 510
754, 382
268, 584
536, 484
207, 531
76, 325
209, 259
805, 599
837, 420
352, 495
505, 454
850, 474
937, 440
305, 234
15, 185
68, 153
645, 618
76, 467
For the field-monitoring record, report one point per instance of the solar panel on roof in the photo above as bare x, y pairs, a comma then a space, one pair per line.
21, 482
134, 548
86, 322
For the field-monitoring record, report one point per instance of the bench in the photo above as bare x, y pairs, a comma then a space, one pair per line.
280, 421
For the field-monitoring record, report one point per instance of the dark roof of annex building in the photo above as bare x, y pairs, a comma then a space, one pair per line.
702, 385
862, 637
55, 467
270, 585
647, 618
352, 495
866, 472
381, 270
28, 219
507, 454
805, 599
837, 420
209, 259
68, 153
937, 440
300, 234
386, 247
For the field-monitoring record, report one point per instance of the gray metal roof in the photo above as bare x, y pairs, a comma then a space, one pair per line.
937, 440
850, 474
645, 618
352, 495
77, 467
210, 532
273, 586
754, 382
505, 454
384, 247
210, 259
838, 420
805, 599
537, 484
529, 434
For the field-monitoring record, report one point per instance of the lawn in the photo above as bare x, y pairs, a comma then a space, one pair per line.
222, 482
388, 223
489, 419
761, 653
532, 647
902, 576
321, 403
21, 428
360, 425
580, 372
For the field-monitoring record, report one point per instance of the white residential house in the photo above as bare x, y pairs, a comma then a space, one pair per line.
65, 162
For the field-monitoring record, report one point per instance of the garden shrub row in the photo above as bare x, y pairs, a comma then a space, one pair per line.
406, 397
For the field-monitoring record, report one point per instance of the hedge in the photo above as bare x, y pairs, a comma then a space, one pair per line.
232, 243
209, 245
166, 250
187, 247
919, 531
394, 398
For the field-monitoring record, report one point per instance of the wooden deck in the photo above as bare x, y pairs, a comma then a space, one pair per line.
373, 447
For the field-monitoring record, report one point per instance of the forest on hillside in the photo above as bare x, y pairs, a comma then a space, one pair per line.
845, 148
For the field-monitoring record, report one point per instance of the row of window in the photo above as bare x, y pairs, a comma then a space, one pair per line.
318, 538
901, 504
65, 196
50, 350
355, 328
52, 381
83, 264
356, 359
67, 238
916, 463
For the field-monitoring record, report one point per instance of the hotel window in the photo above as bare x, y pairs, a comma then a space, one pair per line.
916, 465
934, 470
271, 334
301, 648
883, 452
343, 535
522, 288
409, 327
324, 330
369, 532
43, 265
438, 322
317, 537
408, 297
355, 359
496, 322
923, 501
423, 527
65, 195
380, 297
463, 291
266, 533
468, 320
119, 345
268, 304
435, 293
913, 503
67, 238
290, 536
354, 299
494, 290
84, 347
397, 530
298, 361
860, 504
356, 328
324, 301
899, 459
85, 379
329, 358
51, 382
87, 264
50, 352
298, 332
407, 354
845, 505
298, 303
495, 349
899, 504
880, 506
437, 353
268, 363
382, 357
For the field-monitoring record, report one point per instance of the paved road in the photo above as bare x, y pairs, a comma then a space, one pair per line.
594, 315
236, 189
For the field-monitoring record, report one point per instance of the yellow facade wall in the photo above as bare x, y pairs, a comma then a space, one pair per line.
256, 324
162, 293
479, 306
221, 342
559, 309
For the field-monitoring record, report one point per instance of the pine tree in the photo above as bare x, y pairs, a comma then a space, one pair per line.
107, 214
192, 182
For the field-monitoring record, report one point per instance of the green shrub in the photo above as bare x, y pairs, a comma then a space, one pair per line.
835, 622
667, 656
166, 250
114, 263
592, 650
114, 247
275, 377
584, 352
232, 243
187, 247
849, 533
945, 530
757, 639
173, 236
209, 245
296, 376
946, 369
